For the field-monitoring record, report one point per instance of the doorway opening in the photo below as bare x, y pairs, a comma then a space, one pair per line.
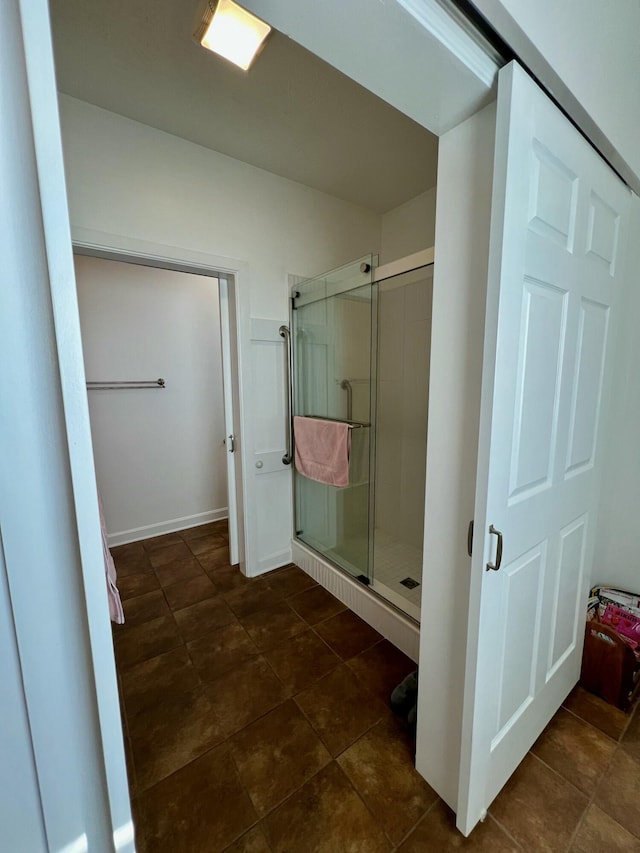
164, 445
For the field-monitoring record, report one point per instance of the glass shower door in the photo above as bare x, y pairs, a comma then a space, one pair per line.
332, 345
402, 412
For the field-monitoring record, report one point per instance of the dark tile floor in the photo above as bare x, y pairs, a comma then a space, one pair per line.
256, 718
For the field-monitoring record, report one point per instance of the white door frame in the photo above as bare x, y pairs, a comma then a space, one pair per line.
228, 344
132, 251
48, 503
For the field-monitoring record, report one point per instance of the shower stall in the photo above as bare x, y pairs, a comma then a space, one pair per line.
360, 345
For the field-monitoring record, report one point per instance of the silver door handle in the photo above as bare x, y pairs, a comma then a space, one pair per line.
232, 444
284, 333
495, 566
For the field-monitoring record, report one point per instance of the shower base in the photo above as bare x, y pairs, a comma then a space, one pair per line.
395, 561
399, 629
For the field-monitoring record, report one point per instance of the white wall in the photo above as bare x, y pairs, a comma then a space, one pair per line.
465, 173
127, 181
159, 454
409, 228
617, 549
586, 52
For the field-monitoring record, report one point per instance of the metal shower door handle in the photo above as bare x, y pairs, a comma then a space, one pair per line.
284, 333
495, 566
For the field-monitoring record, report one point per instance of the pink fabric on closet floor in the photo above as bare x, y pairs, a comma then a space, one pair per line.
115, 605
322, 450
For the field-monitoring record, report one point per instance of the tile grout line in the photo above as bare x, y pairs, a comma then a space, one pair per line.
340, 661
247, 792
590, 797
353, 743
418, 822
366, 805
126, 728
292, 697
616, 750
619, 749
259, 651
632, 713
326, 745
504, 829
226, 741
562, 778
317, 734
593, 726
591, 802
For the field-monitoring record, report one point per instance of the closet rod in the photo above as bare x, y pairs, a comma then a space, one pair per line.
116, 385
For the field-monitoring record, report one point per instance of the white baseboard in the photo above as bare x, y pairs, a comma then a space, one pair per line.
397, 628
171, 526
271, 562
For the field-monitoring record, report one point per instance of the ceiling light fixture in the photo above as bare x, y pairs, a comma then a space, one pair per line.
232, 32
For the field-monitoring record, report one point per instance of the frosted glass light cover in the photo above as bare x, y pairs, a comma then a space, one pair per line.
235, 33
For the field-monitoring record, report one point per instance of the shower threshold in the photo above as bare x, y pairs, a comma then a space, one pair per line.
389, 619
395, 562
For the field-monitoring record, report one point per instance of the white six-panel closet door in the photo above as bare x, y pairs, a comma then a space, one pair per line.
557, 235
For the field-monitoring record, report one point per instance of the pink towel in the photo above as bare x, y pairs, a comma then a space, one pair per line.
322, 450
115, 605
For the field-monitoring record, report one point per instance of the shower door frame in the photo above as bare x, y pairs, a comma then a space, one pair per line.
417, 260
295, 282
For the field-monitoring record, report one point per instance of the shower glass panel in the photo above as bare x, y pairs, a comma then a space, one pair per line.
403, 355
333, 333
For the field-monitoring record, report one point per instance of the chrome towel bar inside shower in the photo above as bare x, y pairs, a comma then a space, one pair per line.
346, 385
350, 424
116, 385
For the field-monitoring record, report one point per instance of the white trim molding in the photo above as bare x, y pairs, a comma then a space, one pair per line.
272, 562
48, 502
411, 262
453, 29
172, 525
444, 72
119, 247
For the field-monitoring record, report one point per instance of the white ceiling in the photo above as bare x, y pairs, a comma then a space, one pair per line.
291, 114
